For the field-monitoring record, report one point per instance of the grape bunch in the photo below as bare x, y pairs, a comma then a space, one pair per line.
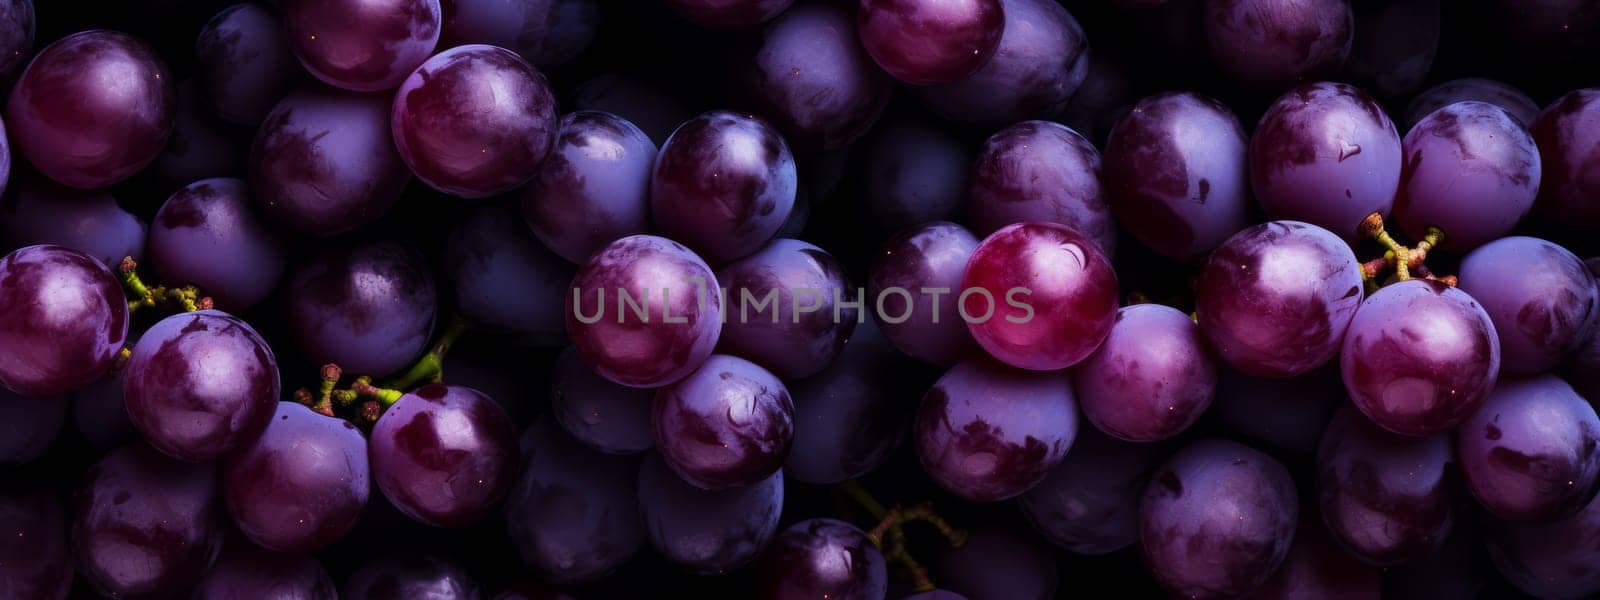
799, 299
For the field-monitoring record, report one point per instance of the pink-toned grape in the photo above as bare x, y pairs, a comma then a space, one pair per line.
1038, 296
63, 320
145, 525
1040, 171
444, 455
362, 45
209, 235
924, 42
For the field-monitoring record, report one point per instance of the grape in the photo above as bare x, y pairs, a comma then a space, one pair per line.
1275, 299
1288, 415
924, 42
63, 320
444, 455
914, 173
1317, 569
92, 109
703, 531
810, 75
574, 513
926, 326
823, 558
410, 576
728, 14
1101, 101
475, 121
547, 33
245, 63
1089, 504
594, 188
17, 25
724, 183
1541, 298
202, 146
1386, 499
1151, 379
41, 211
505, 280
607, 417
850, 417
1000, 563
1530, 452
324, 162
655, 109
368, 308
1042, 58
1325, 153
627, 347
988, 432
209, 235
1273, 44
245, 572
1040, 171
1550, 559
361, 45
1041, 265
1217, 520
1394, 45
101, 416
1568, 133
1517, 104
145, 524
809, 319
1471, 170
729, 424
301, 485
1175, 174
1420, 357
33, 558
28, 427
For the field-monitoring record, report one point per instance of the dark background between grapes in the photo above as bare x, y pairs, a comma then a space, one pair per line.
642, 39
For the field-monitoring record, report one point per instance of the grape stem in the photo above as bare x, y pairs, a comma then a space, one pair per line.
889, 534
430, 368
373, 399
1406, 261
187, 298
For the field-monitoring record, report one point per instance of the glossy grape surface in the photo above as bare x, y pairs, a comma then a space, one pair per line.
368, 308
823, 558
361, 45
608, 417
246, 572
1541, 298
810, 75
209, 235
63, 319
444, 455
707, 532
172, 390
1040, 171
1387, 499
245, 64
144, 524
923, 42
301, 485
735, 212
1514, 101
1042, 58
1568, 134
1151, 379
1531, 452
1067, 310
1089, 504
548, 33
40, 211
34, 559
929, 256
729, 424
804, 328
573, 513
1471, 170
504, 280
1273, 44
594, 188
914, 173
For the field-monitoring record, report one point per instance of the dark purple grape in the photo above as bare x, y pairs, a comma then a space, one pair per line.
245, 63
789, 307
924, 42
988, 432
1318, 569
594, 188
1471, 170
17, 28
547, 33
653, 342
574, 513
92, 109
823, 558
1060, 294
1540, 296
914, 173
302, 484
1274, 44
1550, 559
28, 427
361, 45
444, 455
41, 211
850, 417
810, 75
209, 235
925, 325
1530, 453
367, 308
605, 416
1042, 58
1101, 101
1519, 105
1089, 504
34, 562
724, 184
729, 424
1217, 519
475, 121
1175, 174
145, 524
533, 591
506, 281
1568, 133
1151, 379
1420, 357
1386, 499
410, 576
200, 384
202, 146
655, 109
63, 320
999, 563
1040, 171
101, 416
707, 532
1326, 154
1287, 415
728, 14
245, 572
324, 162
1394, 45
1275, 299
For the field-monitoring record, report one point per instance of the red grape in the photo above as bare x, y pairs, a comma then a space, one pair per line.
1550, 559
1042, 58
1387, 499
1151, 379
1541, 298
1530, 453
728, 14
804, 328
703, 531
605, 416
444, 455
362, 45
724, 184
1471, 170
1568, 133
547, 33
923, 42
1273, 44
245, 572
245, 63
1517, 104
41, 211
926, 326
1089, 504
368, 308
823, 558
811, 77
1060, 294
410, 576
63, 320
34, 562
914, 173
209, 235
594, 188
574, 513
727, 425
145, 525
1040, 171
506, 281
301, 485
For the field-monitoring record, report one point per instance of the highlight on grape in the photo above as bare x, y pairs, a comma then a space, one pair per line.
973, 304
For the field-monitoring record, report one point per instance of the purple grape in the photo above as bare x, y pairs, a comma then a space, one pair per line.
367, 308
301, 485
1042, 58
801, 303
28, 427
41, 211
1089, 504
1275, 299
1518, 104
914, 173
606, 417
1394, 45
1217, 520
245, 572
926, 326
1101, 101
1287, 415
656, 110
547, 33
1175, 174
1386, 499
1471, 170
924, 42
1568, 133
324, 162
505, 280
1151, 379
1530, 453
628, 347
1318, 569
574, 513
728, 14
410, 576
1550, 559
988, 432
850, 417
17, 28
810, 75
1540, 296
1060, 294
202, 146
145, 524
92, 109
823, 558
1040, 171
724, 183
99, 413
361, 45
444, 455
245, 63
707, 532
34, 562
999, 563
475, 121
1420, 357
729, 424
63, 320
1274, 44
594, 188
1326, 154
209, 235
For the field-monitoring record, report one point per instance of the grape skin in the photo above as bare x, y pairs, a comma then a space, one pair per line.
504, 280
243, 259
727, 425
1255, 407
810, 75
445, 455
1471, 170
707, 532
1517, 104
301, 485
244, 571
933, 255
410, 576
781, 336
41, 211
63, 320
1529, 454
573, 514
1550, 559
1568, 131
1042, 58
1089, 504
1040, 171
361, 45
605, 416
145, 524
823, 558
1386, 499
849, 418
1541, 298
245, 64
368, 308
1272, 44
594, 188
1071, 284
723, 184
1151, 379
924, 42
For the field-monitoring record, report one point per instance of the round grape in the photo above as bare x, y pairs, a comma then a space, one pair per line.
367, 308
1387, 499
63, 320
1471, 170
245, 63
1287, 415
823, 558
301, 485
41, 211
145, 524
605, 416
724, 184
594, 188
1517, 104
1530, 454
1568, 134
1040, 171
1042, 58
574, 513
444, 455
810, 75
924, 325
1151, 379
1059, 291
361, 45
1541, 298
729, 424
209, 235
506, 281
924, 42
1089, 504
807, 321
1550, 559
703, 531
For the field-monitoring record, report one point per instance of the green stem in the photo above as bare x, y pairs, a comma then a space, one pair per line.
854, 490
430, 368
